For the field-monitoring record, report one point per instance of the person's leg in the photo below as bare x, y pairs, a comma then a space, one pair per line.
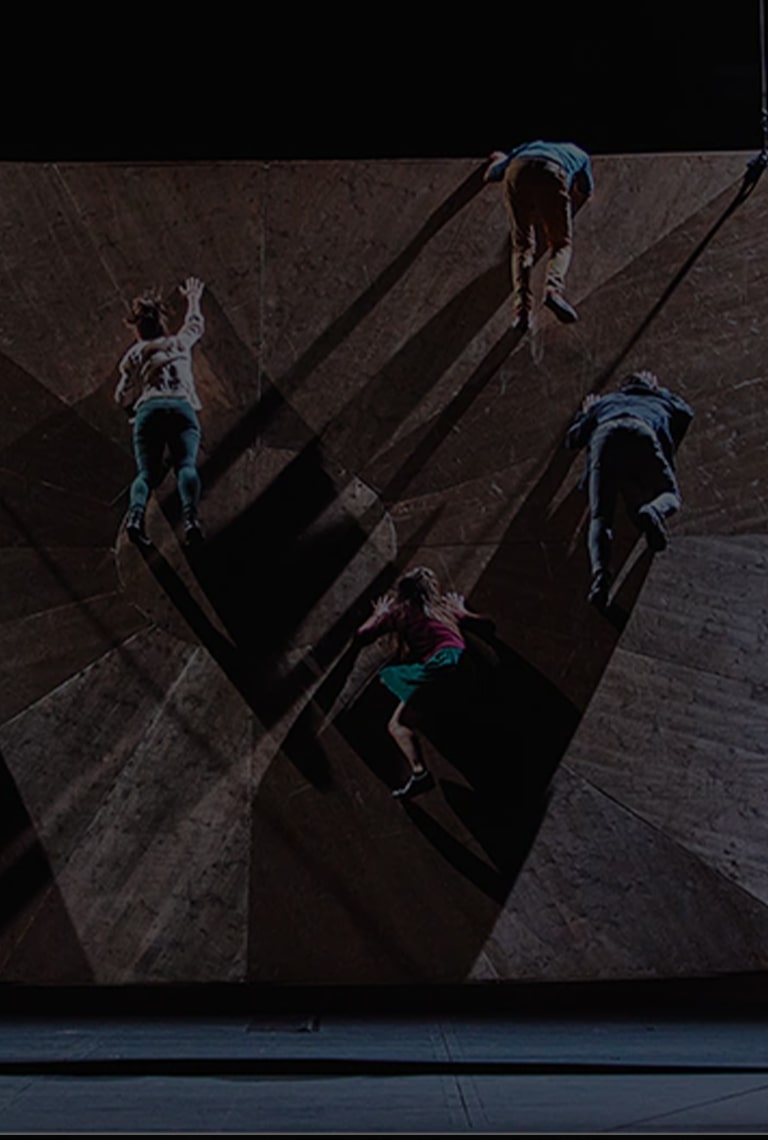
521, 211
660, 497
603, 490
184, 444
148, 447
557, 220
420, 778
406, 739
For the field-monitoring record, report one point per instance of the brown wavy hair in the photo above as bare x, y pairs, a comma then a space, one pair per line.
420, 587
149, 315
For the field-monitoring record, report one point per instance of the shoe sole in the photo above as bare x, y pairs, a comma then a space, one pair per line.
565, 316
136, 537
654, 533
414, 789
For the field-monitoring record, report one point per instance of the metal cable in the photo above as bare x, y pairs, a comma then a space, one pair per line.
757, 165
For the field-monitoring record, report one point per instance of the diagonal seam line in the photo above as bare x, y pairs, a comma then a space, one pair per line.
689, 1107
661, 238
732, 884
457, 1077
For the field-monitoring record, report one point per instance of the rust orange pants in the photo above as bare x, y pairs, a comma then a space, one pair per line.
537, 197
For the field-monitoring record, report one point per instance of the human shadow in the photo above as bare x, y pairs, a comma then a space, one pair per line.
503, 719
503, 728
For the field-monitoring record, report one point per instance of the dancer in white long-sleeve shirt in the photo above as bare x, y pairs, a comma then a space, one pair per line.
157, 389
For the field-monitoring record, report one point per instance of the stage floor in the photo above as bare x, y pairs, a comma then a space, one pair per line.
313, 1074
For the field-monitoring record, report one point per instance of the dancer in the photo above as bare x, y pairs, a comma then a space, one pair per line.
632, 436
157, 389
427, 624
540, 181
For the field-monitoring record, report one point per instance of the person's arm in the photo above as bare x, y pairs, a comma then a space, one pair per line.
579, 431
379, 621
498, 161
680, 416
194, 323
585, 178
680, 410
127, 391
458, 605
681, 407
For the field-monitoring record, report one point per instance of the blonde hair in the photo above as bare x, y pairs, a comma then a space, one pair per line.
420, 587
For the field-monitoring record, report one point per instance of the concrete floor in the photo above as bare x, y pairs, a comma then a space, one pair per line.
427, 1074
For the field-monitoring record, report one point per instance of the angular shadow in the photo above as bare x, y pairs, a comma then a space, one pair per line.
370, 418
269, 567
230, 356
33, 917
504, 727
746, 187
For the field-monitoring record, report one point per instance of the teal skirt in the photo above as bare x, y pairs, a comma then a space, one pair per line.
406, 680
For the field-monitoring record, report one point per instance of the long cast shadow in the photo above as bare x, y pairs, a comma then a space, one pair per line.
33, 917
505, 718
752, 174
500, 724
370, 418
272, 395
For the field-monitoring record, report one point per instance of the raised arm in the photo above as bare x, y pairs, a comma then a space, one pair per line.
578, 433
459, 607
586, 178
378, 622
194, 324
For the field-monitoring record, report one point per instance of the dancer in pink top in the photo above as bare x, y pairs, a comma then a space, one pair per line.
426, 622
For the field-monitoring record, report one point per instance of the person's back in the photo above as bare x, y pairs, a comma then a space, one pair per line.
631, 436
162, 366
640, 397
157, 390
424, 634
575, 162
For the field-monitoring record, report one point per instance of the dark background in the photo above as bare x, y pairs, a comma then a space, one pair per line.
387, 82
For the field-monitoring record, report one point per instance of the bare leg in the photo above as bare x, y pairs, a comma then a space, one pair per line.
406, 740
420, 779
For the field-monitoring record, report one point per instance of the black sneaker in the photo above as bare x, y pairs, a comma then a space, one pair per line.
417, 783
522, 321
652, 526
599, 590
134, 527
560, 307
193, 534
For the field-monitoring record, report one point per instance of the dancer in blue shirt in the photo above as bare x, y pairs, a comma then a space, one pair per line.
541, 180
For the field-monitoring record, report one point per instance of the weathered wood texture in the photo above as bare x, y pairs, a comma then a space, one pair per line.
197, 770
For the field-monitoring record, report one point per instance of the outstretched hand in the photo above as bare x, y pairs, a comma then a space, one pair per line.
491, 173
192, 288
590, 399
456, 602
382, 606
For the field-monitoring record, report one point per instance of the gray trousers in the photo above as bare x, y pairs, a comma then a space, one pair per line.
625, 456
